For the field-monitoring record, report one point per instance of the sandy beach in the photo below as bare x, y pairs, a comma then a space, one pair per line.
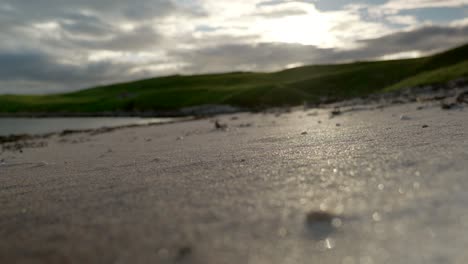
372, 186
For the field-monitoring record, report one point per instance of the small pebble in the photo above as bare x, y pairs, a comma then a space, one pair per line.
184, 252
220, 126
335, 112
425, 126
304, 133
321, 224
448, 106
319, 216
404, 117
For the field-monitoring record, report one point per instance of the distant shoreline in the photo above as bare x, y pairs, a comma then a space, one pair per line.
96, 114
198, 111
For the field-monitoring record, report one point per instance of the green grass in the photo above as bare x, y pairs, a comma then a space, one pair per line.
248, 89
439, 76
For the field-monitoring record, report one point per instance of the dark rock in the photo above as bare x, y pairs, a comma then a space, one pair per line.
209, 110
462, 98
320, 224
183, 253
220, 126
335, 112
448, 106
405, 117
319, 217
245, 125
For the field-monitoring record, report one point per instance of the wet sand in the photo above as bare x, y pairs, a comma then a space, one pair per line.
370, 186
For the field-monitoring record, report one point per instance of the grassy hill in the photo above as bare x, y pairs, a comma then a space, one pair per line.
247, 89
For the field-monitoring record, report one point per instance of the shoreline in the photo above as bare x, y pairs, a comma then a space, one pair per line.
15, 138
199, 111
450, 96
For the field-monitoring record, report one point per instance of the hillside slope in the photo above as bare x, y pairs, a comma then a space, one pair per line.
246, 89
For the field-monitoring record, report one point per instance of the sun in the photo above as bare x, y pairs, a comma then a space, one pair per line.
309, 28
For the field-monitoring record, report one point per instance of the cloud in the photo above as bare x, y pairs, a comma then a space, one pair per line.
402, 20
38, 69
141, 38
275, 56
27, 71
417, 4
427, 39
121, 9
61, 45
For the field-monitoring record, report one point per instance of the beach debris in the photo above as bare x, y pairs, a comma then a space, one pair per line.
312, 114
220, 126
14, 138
180, 138
425, 126
304, 133
20, 145
462, 98
40, 164
67, 132
404, 117
234, 118
245, 125
448, 106
321, 224
183, 253
148, 140
338, 124
320, 122
335, 112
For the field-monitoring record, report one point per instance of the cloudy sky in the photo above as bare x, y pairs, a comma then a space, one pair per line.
49, 46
